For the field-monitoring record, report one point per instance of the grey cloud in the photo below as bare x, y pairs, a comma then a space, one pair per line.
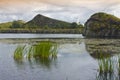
70, 14
9, 14
61, 10
51, 10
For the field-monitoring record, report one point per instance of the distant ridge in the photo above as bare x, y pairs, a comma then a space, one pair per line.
41, 24
43, 21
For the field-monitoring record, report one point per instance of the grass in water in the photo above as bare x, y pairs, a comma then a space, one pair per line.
43, 49
118, 64
105, 64
18, 54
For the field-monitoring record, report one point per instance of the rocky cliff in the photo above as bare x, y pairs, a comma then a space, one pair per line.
102, 25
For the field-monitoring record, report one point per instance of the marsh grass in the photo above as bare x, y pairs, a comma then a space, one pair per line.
109, 68
105, 64
106, 76
18, 54
118, 64
42, 50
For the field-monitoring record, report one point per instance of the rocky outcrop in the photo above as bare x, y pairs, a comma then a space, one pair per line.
46, 22
102, 25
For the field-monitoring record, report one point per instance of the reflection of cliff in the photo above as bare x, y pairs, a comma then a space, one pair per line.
107, 76
103, 47
102, 25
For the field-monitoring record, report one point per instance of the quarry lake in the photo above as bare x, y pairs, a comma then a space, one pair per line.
56, 59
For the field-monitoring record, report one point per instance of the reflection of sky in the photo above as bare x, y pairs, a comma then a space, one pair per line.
78, 48
67, 10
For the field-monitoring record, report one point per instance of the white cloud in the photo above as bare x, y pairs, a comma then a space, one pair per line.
67, 10
114, 10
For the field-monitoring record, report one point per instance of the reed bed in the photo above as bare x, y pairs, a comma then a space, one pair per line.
118, 64
18, 54
105, 65
43, 49
109, 68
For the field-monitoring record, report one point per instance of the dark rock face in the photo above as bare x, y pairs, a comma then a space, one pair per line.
43, 21
102, 25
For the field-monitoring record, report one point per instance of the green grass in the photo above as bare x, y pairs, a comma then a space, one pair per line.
118, 64
43, 49
18, 54
105, 64
109, 68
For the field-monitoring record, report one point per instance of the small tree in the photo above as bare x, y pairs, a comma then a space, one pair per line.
16, 24
74, 25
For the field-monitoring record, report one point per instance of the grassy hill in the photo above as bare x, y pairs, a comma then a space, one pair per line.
46, 22
40, 24
102, 25
5, 25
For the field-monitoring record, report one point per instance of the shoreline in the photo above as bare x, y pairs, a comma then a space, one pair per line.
66, 40
43, 31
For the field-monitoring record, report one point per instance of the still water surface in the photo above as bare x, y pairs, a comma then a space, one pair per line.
41, 36
73, 61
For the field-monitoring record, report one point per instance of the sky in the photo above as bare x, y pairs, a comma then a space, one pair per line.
65, 10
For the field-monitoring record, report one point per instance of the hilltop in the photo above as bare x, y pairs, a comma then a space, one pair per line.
43, 21
40, 24
102, 25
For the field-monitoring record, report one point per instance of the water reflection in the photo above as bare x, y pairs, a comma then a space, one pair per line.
97, 47
43, 53
106, 53
99, 54
106, 76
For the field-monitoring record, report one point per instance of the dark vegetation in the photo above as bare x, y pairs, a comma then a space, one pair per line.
44, 53
99, 25
102, 25
40, 24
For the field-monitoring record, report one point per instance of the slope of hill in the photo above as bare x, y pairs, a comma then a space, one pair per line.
102, 25
46, 22
40, 24
5, 25
14, 24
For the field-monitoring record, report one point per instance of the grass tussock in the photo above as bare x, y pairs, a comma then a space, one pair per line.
18, 54
43, 49
118, 64
105, 63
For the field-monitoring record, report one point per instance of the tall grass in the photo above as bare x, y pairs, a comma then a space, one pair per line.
105, 64
109, 68
106, 76
118, 64
43, 49
18, 54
